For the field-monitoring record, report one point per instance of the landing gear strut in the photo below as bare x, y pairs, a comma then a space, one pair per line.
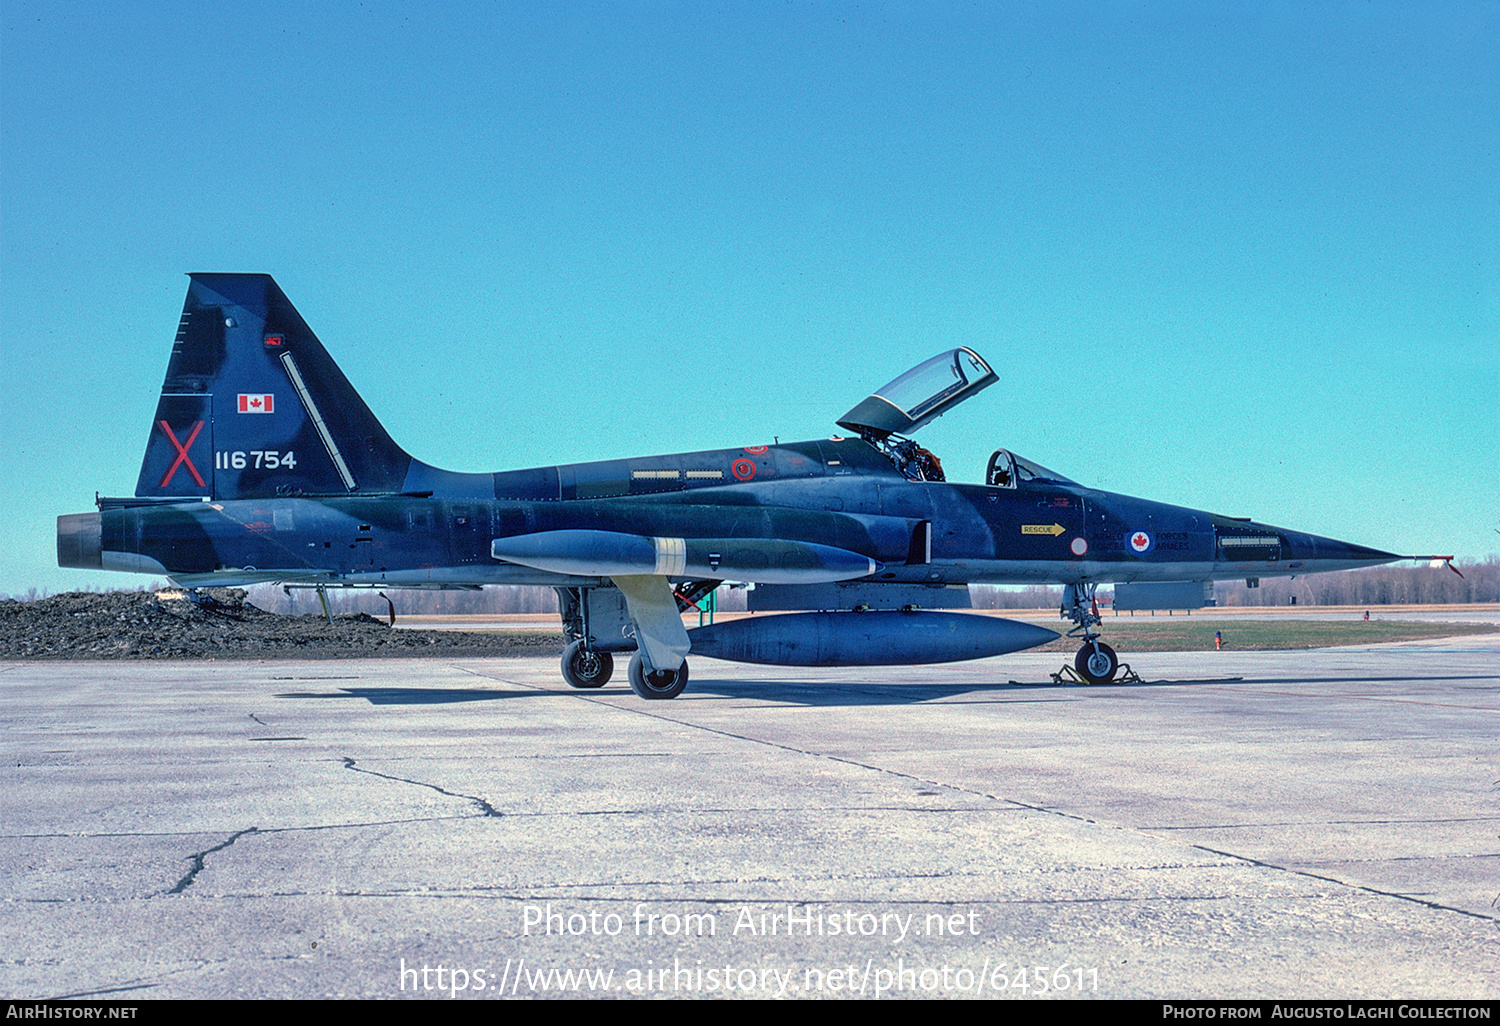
1096, 662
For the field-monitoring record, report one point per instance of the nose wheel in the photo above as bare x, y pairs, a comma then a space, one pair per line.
656, 684
1096, 662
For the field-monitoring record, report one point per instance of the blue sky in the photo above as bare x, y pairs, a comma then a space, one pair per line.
1235, 257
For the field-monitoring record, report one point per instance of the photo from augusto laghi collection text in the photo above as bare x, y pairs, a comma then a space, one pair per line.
1325, 1010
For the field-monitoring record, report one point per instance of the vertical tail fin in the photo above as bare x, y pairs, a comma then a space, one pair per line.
253, 406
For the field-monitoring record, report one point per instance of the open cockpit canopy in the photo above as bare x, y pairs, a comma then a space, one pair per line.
924, 393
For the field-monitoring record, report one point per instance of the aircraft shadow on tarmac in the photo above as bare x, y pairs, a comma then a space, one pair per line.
851, 693
780, 692
871, 693
411, 696
795, 692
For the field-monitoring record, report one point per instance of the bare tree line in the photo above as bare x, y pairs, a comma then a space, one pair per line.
497, 599
407, 601
1376, 586
1032, 596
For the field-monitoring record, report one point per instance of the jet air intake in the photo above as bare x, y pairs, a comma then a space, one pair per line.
612, 553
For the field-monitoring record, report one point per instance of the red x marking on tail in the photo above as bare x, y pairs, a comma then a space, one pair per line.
182, 453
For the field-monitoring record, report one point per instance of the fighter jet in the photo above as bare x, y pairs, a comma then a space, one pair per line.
263, 464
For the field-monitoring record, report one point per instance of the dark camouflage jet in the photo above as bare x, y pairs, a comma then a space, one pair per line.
264, 465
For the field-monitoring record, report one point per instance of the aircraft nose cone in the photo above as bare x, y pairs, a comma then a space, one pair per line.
1319, 554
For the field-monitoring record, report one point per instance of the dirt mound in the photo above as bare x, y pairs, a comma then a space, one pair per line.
220, 624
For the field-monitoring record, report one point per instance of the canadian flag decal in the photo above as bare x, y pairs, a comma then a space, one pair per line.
257, 403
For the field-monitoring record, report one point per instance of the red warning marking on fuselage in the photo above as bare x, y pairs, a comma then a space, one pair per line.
742, 469
756, 449
182, 453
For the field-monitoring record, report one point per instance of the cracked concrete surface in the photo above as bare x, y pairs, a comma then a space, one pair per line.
1326, 826
484, 807
198, 857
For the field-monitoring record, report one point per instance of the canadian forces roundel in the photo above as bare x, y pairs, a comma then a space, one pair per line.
1139, 541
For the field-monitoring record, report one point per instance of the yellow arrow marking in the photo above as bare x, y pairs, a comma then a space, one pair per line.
1053, 529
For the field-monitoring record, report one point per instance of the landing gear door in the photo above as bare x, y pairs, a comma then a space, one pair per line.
924, 393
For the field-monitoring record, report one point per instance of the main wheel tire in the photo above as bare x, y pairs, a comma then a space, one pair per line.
584, 668
1097, 663
658, 683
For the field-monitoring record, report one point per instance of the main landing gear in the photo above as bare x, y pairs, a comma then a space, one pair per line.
597, 622
584, 668
656, 683
1096, 662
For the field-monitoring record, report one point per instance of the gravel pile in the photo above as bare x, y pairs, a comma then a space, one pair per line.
222, 625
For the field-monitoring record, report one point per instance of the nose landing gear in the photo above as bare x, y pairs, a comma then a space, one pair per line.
1096, 662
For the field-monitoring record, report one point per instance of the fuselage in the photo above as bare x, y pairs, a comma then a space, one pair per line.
263, 464
439, 528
